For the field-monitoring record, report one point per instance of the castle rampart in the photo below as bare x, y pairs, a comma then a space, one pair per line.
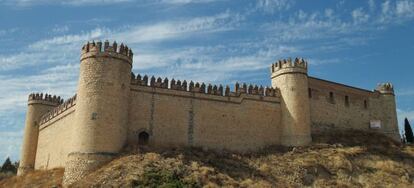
113, 109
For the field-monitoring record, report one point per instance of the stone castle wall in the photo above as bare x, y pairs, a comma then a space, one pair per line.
337, 106
55, 133
175, 118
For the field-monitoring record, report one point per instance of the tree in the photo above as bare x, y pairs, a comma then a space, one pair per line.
408, 131
8, 166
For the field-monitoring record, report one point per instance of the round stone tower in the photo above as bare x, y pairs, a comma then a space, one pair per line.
101, 109
389, 113
291, 77
38, 105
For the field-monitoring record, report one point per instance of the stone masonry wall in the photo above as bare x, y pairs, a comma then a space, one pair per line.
334, 111
55, 133
176, 118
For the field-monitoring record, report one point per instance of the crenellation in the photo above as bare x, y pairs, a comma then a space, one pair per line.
184, 85
165, 83
297, 65
152, 82
203, 88
209, 89
191, 86
40, 97
227, 91
385, 88
158, 83
237, 88
96, 48
69, 103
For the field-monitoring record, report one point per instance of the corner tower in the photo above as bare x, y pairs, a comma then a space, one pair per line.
291, 77
389, 112
38, 105
101, 108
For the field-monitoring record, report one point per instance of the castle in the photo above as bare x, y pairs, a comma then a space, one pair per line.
114, 108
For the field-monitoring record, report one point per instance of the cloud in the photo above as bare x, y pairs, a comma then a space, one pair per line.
359, 16
10, 143
179, 2
272, 6
397, 11
23, 3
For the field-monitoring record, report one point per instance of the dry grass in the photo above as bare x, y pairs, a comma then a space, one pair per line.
334, 160
39, 178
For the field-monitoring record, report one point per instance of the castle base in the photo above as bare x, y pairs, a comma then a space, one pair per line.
296, 140
79, 165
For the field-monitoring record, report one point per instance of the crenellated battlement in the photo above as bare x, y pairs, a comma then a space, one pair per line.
44, 98
289, 66
96, 49
196, 87
69, 103
385, 88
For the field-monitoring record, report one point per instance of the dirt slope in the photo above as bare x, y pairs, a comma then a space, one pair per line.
342, 162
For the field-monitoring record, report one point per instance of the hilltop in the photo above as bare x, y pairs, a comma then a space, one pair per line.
341, 159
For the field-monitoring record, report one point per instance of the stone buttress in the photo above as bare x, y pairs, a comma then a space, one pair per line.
101, 109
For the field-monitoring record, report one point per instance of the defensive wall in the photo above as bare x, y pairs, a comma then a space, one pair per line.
113, 109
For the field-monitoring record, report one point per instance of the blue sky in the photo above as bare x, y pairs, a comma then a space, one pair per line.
355, 42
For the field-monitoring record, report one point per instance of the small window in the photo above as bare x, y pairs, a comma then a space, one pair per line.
365, 104
310, 92
331, 97
347, 101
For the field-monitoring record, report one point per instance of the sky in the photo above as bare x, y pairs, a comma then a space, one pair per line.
354, 42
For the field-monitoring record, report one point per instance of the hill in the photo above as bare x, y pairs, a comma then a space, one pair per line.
345, 159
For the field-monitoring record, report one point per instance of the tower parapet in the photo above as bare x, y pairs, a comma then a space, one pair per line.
45, 99
291, 77
95, 49
385, 88
284, 66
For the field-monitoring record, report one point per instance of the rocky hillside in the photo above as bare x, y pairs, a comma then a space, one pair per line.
347, 159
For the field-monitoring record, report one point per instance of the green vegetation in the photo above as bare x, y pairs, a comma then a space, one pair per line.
408, 131
8, 169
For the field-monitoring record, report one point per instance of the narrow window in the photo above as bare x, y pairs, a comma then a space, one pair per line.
331, 97
365, 104
347, 101
310, 92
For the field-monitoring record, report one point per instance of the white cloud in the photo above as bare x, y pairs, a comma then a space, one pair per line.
405, 8
62, 2
272, 6
178, 2
10, 143
371, 5
397, 11
359, 16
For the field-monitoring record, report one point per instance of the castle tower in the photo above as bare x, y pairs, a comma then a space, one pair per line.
101, 108
291, 77
38, 104
389, 113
